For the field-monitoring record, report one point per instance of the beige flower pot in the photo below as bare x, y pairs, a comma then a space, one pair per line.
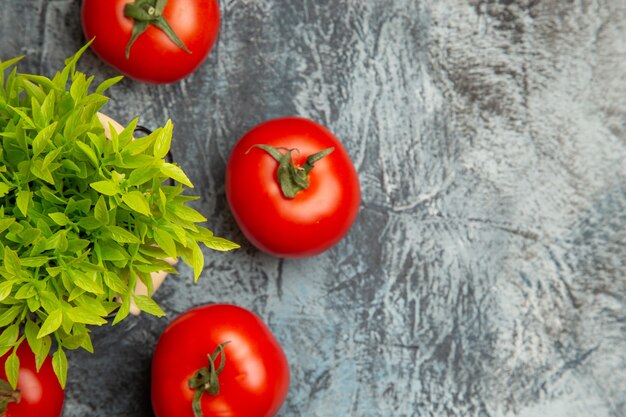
157, 277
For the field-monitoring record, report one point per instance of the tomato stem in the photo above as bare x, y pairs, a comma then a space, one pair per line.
7, 395
206, 378
292, 179
149, 12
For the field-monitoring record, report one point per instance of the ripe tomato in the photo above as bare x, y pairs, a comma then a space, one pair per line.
250, 369
39, 393
319, 215
154, 57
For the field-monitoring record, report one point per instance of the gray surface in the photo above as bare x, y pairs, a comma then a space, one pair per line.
485, 275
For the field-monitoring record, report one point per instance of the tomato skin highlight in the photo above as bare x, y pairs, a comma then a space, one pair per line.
318, 217
255, 378
154, 58
41, 393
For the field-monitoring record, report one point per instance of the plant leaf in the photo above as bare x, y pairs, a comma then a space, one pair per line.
121, 235
23, 200
31, 330
148, 305
137, 201
4, 189
115, 283
89, 152
176, 173
5, 289
51, 324
9, 335
86, 281
123, 310
198, 261
108, 83
12, 368
59, 218
59, 364
142, 175
109, 187
165, 242
220, 244
43, 138
185, 213
82, 314
163, 140
101, 213
12, 262
5, 223
9, 315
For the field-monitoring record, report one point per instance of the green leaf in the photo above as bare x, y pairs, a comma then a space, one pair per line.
115, 283
4, 65
44, 350
97, 140
108, 83
142, 175
59, 218
86, 281
31, 330
137, 201
9, 336
5, 223
12, 262
26, 291
176, 173
101, 213
163, 141
43, 139
5, 289
87, 344
32, 303
89, 152
49, 301
4, 189
89, 223
34, 261
82, 314
24, 198
185, 213
32, 89
138, 146
111, 251
198, 261
109, 187
121, 235
24, 117
148, 305
165, 242
12, 368
51, 324
38, 169
9, 315
123, 310
220, 244
59, 364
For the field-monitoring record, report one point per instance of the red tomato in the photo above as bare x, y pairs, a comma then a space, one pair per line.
154, 57
40, 393
255, 375
318, 216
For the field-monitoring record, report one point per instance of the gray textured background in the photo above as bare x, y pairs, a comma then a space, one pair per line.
485, 275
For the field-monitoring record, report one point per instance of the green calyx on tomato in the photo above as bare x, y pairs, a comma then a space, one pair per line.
7, 395
206, 378
149, 12
293, 179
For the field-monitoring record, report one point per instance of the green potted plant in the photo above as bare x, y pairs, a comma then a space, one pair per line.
84, 217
